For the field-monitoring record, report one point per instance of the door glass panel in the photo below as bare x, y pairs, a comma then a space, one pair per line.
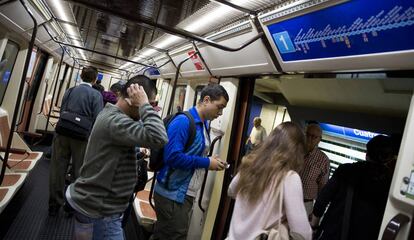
179, 99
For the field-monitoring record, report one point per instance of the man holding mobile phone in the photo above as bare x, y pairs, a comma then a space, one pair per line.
181, 176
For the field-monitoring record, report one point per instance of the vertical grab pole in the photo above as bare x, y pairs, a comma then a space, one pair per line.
54, 90
19, 94
176, 80
200, 199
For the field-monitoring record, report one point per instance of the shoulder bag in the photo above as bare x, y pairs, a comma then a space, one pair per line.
72, 123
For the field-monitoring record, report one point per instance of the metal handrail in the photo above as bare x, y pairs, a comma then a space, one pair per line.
168, 112
44, 98
23, 109
202, 59
20, 92
104, 65
203, 185
242, 9
102, 53
54, 90
177, 72
70, 76
172, 61
165, 28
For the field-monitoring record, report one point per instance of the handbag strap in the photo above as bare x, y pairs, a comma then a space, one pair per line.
64, 108
281, 201
280, 193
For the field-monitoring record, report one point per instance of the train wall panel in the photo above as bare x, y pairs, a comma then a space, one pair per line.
253, 59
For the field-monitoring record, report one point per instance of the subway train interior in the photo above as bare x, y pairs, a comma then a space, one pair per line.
327, 61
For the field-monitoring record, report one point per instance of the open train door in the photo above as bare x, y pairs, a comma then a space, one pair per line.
399, 213
34, 76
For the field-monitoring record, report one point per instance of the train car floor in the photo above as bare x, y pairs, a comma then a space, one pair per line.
26, 216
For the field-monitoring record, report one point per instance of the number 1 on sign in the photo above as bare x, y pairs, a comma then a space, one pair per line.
282, 39
283, 42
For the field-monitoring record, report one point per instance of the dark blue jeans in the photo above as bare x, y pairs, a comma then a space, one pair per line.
106, 228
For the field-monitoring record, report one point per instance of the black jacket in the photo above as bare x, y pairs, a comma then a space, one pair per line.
83, 100
371, 183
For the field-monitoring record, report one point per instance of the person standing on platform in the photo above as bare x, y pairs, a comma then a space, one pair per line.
315, 172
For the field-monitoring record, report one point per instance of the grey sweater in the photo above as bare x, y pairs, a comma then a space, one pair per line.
109, 172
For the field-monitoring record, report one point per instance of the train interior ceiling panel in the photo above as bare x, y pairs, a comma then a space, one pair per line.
344, 64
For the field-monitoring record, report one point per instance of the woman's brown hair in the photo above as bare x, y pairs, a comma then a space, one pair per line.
283, 150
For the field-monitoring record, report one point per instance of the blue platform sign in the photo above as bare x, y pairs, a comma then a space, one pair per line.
100, 77
348, 133
153, 71
356, 27
6, 77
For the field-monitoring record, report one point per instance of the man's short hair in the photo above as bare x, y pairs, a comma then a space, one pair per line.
149, 86
116, 87
380, 149
313, 124
89, 74
257, 120
214, 91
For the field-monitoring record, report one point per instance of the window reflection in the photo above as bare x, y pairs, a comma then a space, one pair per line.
6, 66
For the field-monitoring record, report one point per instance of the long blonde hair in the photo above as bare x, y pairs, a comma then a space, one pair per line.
283, 150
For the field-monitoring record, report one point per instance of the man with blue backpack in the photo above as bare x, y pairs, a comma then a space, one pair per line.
184, 160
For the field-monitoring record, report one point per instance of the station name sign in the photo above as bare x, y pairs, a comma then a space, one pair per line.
348, 133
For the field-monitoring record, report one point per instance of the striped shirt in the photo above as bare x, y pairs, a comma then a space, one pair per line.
314, 174
109, 172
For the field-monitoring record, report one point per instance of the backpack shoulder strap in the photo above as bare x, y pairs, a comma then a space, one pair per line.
192, 129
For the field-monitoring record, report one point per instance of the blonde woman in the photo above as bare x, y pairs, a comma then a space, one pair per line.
267, 169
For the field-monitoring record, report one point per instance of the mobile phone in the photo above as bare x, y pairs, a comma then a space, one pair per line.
226, 165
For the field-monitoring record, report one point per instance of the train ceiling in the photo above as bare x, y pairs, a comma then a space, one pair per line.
106, 33
79, 23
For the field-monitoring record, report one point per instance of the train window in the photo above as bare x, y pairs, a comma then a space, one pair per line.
6, 66
197, 94
179, 98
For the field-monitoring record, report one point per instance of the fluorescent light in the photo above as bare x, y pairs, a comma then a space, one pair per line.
206, 19
167, 41
212, 16
60, 9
